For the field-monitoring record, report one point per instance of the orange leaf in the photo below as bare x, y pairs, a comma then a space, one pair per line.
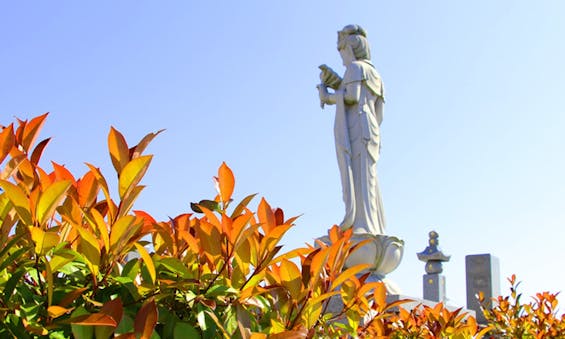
61, 173
298, 334
56, 311
119, 151
211, 218
31, 131
146, 319
104, 185
266, 216
318, 263
140, 147
148, 221
273, 237
7, 140
238, 226
226, 182
348, 273
101, 227
380, 296
25, 169
87, 188
12, 165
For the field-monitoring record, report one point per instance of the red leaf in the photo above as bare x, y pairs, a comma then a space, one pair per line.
95, 319
38, 150
113, 308
146, 320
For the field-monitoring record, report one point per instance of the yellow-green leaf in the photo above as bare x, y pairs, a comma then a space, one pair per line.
50, 287
50, 199
90, 249
291, 278
148, 261
19, 199
102, 228
60, 258
132, 173
44, 241
120, 228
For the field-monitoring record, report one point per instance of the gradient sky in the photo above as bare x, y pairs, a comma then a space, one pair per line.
473, 141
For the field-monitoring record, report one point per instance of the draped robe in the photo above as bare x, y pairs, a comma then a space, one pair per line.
358, 143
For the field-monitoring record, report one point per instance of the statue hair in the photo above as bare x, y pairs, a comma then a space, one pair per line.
356, 37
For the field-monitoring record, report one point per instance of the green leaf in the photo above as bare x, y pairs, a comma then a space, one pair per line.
208, 204
184, 330
60, 258
12, 283
10, 243
175, 266
218, 290
50, 199
80, 331
12, 258
201, 318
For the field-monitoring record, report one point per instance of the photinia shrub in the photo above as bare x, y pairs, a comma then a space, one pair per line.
78, 261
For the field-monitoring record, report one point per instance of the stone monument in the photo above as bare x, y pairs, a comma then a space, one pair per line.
359, 99
433, 280
483, 276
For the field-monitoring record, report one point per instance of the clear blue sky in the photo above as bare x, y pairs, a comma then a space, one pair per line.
473, 141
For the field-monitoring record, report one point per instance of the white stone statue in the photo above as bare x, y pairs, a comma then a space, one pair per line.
359, 99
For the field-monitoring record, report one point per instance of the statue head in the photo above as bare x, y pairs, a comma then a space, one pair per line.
355, 37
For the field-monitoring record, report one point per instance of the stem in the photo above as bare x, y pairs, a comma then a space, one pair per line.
301, 309
39, 275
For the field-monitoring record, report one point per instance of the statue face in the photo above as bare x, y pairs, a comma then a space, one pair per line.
347, 55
